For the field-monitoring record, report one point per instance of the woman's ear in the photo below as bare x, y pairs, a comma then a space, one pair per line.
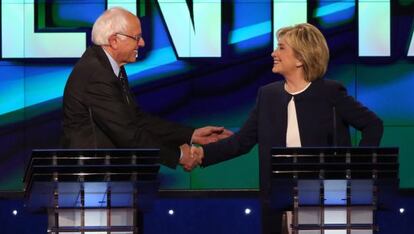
299, 64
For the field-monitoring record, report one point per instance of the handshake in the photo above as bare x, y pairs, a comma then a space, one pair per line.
192, 156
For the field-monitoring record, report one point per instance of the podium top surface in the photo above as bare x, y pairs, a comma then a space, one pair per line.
335, 151
335, 162
94, 152
88, 165
95, 172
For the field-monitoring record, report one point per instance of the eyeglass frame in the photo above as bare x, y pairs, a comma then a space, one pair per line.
136, 38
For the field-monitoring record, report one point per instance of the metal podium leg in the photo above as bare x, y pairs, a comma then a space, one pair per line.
55, 209
137, 229
108, 209
82, 209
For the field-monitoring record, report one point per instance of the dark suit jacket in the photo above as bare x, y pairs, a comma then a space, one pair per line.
99, 114
267, 123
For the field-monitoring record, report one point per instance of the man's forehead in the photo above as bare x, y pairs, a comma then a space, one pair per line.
134, 27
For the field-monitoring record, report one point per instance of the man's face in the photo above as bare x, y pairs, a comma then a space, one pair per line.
129, 42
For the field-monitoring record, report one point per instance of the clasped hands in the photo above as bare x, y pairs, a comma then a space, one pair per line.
192, 156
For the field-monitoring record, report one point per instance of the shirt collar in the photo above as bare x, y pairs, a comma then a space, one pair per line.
300, 91
114, 64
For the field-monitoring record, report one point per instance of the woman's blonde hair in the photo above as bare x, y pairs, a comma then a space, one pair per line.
310, 48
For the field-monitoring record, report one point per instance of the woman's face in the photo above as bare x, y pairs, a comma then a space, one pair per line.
284, 59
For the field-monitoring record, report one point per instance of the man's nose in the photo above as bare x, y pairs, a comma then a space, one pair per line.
141, 42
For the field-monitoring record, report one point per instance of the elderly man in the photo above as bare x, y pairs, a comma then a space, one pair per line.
99, 110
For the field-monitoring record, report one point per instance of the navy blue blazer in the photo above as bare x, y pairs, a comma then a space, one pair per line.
315, 109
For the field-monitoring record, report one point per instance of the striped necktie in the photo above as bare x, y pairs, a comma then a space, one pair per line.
124, 82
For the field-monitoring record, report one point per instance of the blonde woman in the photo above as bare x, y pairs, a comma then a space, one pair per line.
302, 110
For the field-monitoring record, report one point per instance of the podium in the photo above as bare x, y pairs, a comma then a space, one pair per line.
92, 191
332, 190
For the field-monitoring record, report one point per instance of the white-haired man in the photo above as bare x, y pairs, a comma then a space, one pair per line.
99, 110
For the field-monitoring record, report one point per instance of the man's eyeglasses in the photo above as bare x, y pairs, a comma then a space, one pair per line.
136, 38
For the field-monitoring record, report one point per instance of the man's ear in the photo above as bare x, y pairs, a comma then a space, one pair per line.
113, 41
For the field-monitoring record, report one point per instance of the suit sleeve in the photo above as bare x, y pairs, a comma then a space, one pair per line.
169, 133
124, 126
358, 116
238, 144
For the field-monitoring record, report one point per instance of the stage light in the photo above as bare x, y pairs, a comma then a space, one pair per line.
402, 210
247, 211
14, 212
171, 212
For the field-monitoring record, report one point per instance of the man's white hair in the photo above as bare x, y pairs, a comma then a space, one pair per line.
112, 21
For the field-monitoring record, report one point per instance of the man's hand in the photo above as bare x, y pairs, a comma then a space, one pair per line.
187, 160
197, 152
209, 134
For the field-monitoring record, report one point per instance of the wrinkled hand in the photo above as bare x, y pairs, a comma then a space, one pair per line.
209, 134
188, 161
224, 134
197, 152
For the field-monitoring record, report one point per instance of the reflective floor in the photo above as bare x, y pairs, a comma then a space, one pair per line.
187, 212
